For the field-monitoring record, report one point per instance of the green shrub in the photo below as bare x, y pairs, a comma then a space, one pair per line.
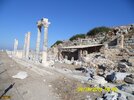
57, 42
75, 37
98, 30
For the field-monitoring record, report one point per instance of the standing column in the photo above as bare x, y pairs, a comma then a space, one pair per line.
44, 53
25, 45
122, 41
79, 55
15, 45
38, 43
28, 45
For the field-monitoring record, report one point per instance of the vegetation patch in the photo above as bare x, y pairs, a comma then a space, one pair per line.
97, 30
57, 42
75, 37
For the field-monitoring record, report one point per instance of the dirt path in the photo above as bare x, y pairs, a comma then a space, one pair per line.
37, 86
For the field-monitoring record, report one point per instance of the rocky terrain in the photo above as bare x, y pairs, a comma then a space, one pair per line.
112, 66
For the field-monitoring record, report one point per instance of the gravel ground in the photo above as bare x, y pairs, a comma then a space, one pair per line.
34, 87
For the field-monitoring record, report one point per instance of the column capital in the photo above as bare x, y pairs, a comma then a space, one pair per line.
28, 33
45, 22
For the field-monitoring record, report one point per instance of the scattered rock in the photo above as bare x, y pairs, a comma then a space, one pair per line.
81, 69
129, 79
122, 65
77, 63
130, 98
100, 80
121, 97
131, 75
116, 76
90, 72
68, 61
88, 97
103, 66
100, 72
82, 82
129, 88
131, 60
99, 98
1, 63
126, 62
20, 75
110, 96
50, 85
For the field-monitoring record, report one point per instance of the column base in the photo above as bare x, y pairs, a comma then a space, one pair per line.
44, 59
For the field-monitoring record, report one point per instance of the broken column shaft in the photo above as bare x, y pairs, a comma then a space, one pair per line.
45, 43
38, 43
28, 45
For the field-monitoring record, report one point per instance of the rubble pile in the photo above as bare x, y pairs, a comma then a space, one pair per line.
102, 70
112, 65
112, 96
99, 61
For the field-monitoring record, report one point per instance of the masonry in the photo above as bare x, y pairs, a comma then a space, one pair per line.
129, 43
79, 51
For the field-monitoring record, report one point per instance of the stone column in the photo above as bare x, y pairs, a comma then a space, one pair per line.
15, 45
28, 45
72, 59
44, 53
38, 43
86, 52
25, 45
79, 55
122, 41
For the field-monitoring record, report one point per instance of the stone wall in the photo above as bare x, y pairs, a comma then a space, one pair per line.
129, 43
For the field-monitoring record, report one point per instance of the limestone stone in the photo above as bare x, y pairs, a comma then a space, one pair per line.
123, 65
129, 80
129, 88
110, 96
116, 76
131, 60
130, 98
99, 98
100, 80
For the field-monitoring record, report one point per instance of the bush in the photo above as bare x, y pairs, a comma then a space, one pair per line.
98, 30
75, 37
57, 42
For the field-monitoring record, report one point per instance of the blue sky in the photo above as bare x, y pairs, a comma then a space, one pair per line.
67, 17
